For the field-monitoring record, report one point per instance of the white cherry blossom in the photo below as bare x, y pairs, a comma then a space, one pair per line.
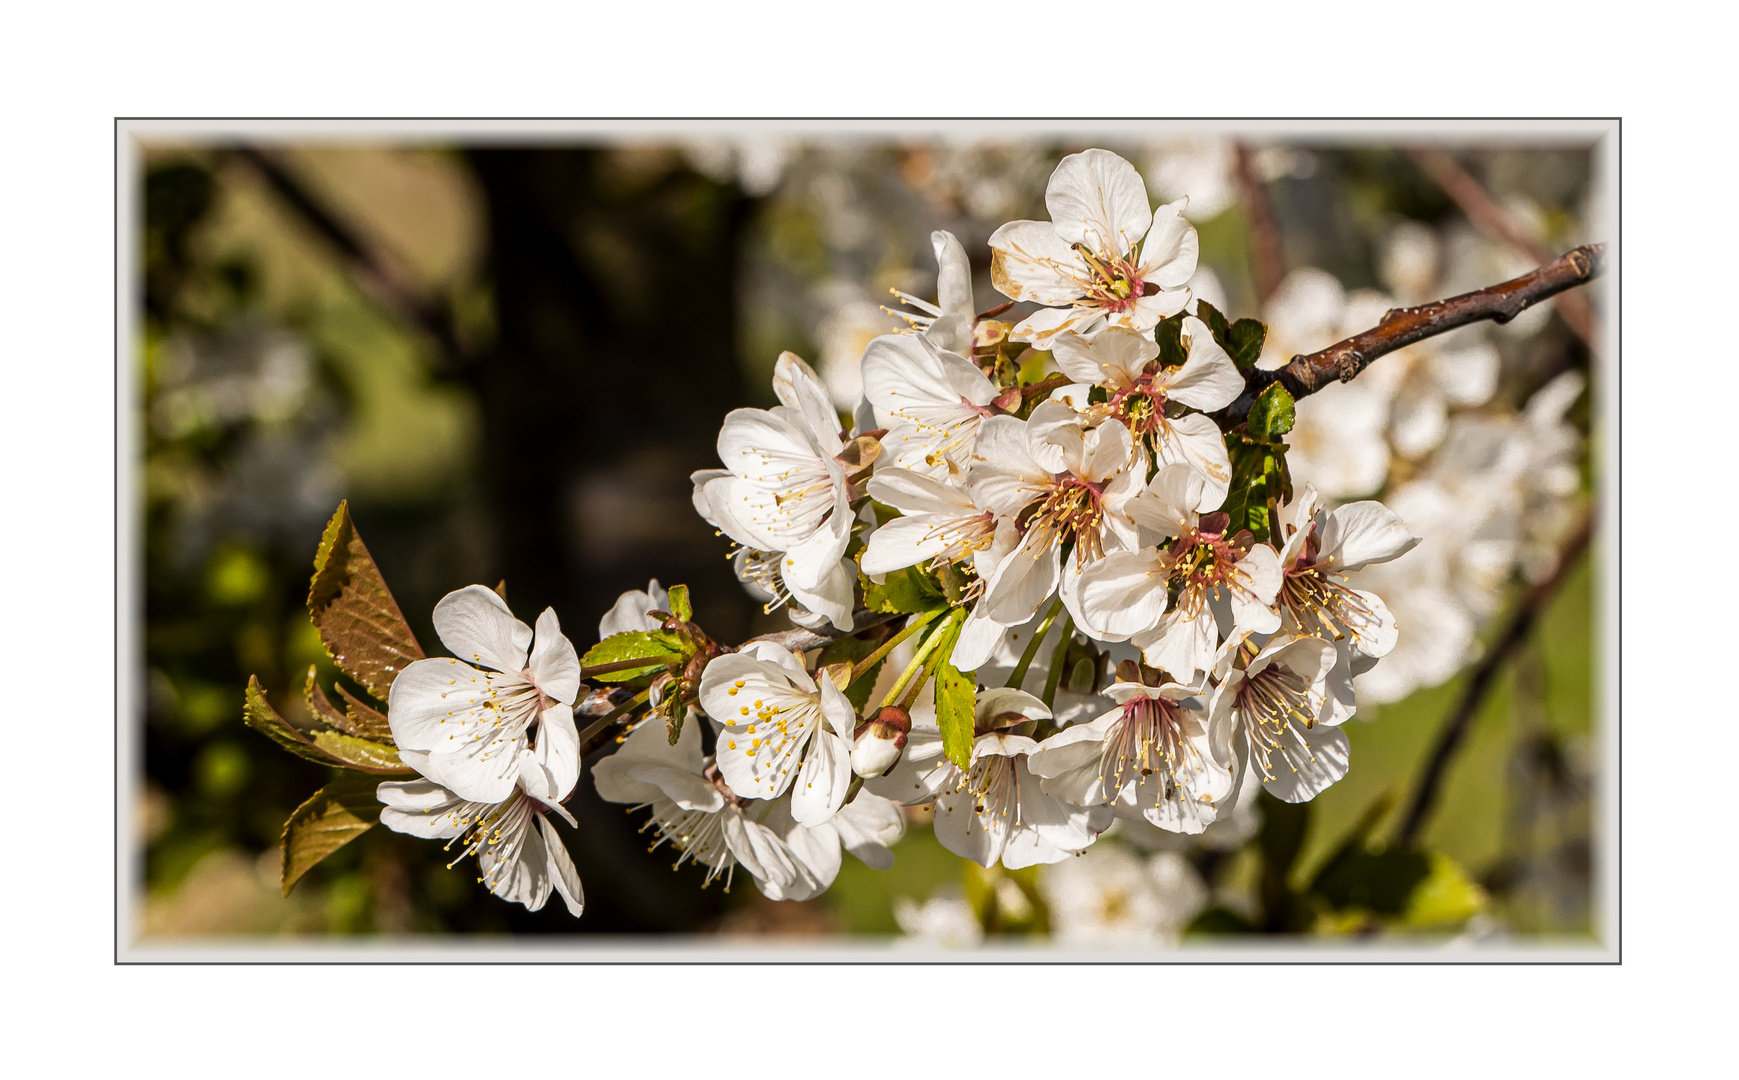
1125, 596
465, 727
948, 322
944, 921
1274, 708
996, 810
1062, 484
698, 813
784, 489
1126, 365
931, 402
1109, 896
939, 523
1150, 755
784, 730
1104, 254
519, 853
632, 608
1321, 549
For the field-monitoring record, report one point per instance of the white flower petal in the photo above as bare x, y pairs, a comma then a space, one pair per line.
1098, 200
1171, 248
630, 610
952, 329
1209, 379
798, 388
1320, 759
1361, 533
1029, 261
822, 780
555, 666
1196, 441
476, 625
867, 826
561, 869
516, 862
1123, 594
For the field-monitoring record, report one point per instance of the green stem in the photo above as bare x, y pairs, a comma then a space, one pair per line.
1032, 647
937, 657
923, 654
1056, 673
917, 623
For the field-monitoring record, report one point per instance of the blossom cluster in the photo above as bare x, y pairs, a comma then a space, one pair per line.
1060, 478
1491, 491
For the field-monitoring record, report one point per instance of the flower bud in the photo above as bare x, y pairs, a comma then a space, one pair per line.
877, 743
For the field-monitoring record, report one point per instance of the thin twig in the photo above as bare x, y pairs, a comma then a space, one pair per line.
376, 275
1489, 217
1264, 236
1454, 730
1401, 327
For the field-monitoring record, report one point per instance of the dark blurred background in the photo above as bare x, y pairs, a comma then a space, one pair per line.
509, 359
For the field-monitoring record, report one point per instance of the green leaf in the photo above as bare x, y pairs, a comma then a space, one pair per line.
1169, 334
1276, 475
353, 610
1244, 342
1210, 314
905, 591
956, 700
332, 817
1446, 895
632, 645
1271, 414
678, 603
1246, 500
1033, 363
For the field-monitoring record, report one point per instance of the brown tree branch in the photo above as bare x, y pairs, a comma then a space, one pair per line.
373, 273
1454, 730
1492, 219
1264, 236
1500, 303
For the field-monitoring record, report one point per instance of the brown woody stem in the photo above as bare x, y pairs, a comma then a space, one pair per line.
1401, 327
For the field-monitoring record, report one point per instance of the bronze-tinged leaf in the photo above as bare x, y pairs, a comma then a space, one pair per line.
321, 706
366, 720
355, 613
332, 817
363, 755
258, 714
322, 745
